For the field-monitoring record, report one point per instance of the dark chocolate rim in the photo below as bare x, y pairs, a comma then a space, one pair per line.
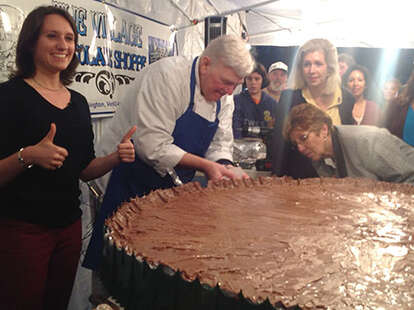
136, 284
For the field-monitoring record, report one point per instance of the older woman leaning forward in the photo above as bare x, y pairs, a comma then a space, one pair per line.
348, 151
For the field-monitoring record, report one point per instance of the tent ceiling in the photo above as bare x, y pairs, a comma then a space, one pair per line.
351, 23
363, 23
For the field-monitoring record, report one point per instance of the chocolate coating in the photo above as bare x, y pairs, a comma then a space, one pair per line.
317, 243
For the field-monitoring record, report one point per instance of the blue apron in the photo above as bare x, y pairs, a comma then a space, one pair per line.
192, 133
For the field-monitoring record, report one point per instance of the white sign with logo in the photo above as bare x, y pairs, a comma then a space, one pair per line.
115, 44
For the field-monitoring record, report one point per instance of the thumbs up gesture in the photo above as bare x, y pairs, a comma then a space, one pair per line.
48, 155
126, 151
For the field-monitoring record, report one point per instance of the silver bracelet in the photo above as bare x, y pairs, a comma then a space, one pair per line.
21, 160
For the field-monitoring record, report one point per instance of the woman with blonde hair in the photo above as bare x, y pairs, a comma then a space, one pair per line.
314, 80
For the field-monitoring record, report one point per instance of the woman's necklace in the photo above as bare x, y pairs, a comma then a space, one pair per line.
358, 111
359, 108
48, 88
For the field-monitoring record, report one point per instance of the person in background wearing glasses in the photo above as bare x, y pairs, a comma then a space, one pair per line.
348, 151
314, 80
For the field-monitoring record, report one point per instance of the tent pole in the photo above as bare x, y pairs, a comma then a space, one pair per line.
181, 10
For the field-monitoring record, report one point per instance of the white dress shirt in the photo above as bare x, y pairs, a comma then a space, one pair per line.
162, 96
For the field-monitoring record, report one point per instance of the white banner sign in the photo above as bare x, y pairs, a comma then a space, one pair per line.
114, 46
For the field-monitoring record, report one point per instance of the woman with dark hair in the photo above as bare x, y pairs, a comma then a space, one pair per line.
357, 80
349, 151
314, 80
399, 114
47, 146
253, 105
29, 34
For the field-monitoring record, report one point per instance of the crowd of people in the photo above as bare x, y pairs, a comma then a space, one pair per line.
340, 87
184, 119
387, 107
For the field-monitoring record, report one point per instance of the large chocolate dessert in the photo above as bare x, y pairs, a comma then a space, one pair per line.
316, 243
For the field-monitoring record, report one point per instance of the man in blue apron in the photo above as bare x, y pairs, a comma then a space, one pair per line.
183, 111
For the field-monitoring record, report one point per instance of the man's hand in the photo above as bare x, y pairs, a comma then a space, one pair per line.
216, 172
238, 172
213, 170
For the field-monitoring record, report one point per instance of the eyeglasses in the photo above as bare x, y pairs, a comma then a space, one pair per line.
301, 140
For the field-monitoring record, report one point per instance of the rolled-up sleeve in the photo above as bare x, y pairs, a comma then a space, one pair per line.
162, 97
160, 101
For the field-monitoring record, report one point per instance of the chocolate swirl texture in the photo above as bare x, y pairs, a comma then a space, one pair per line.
317, 243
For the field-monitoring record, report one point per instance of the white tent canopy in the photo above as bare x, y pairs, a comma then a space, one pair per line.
352, 23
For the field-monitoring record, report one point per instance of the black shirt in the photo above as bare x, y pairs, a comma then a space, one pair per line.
38, 195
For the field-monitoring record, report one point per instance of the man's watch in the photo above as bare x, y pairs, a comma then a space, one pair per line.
21, 160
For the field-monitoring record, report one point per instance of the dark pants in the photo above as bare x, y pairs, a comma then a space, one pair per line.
37, 265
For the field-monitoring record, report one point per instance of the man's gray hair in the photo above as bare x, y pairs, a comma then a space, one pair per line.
297, 80
233, 52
